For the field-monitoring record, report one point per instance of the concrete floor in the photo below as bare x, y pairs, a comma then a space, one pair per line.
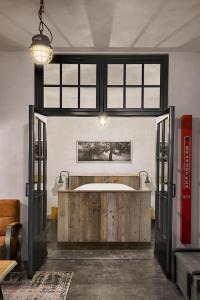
113, 277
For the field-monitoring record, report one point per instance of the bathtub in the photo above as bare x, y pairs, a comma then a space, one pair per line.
107, 212
104, 187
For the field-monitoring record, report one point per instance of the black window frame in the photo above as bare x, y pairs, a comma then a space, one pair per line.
101, 62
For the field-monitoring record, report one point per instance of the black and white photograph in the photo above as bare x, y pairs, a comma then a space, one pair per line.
88, 151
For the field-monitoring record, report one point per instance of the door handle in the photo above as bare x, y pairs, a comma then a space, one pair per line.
27, 189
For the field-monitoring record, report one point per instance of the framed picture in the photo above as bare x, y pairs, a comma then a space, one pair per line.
103, 151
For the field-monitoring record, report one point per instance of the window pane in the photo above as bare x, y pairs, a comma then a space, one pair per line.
166, 129
69, 97
88, 74
152, 74
115, 98
133, 97
36, 128
51, 97
133, 74
160, 176
52, 74
151, 97
70, 74
166, 177
115, 74
88, 98
35, 172
42, 175
161, 137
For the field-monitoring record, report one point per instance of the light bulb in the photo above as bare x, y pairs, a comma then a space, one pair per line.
102, 120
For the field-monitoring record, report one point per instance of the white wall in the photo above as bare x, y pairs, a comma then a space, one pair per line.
184, 93
63, 133
17, 91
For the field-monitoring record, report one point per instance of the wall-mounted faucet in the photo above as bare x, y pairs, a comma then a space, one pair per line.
147, 180
60, 180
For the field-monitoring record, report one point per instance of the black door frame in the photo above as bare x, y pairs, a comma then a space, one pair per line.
34, 261
171, 154
163, 248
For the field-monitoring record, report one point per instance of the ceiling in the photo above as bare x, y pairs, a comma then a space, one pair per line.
104, 25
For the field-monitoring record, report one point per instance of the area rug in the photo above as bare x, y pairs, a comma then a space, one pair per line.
43, 286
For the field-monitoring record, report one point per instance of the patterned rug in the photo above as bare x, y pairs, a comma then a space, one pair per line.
43, 286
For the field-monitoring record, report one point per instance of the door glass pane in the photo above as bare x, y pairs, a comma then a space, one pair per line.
152, 74
166, 129
115, 74
51, 97
69, 97
164, 218
115, 97
133, 74
41, 178
70, 74
160, 176
133, 97
161, 126
52, 74
35, 128
158, 221
88, 74
42, 128
88, 98
166, 177
38, 149
151, 97
35, 174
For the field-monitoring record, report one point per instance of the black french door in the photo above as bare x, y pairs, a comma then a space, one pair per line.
164, 189
37, 193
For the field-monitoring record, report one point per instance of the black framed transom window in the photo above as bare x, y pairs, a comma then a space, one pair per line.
70, 86
93, 84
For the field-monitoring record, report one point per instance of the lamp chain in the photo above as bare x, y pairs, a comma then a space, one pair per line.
40, 12
42, 24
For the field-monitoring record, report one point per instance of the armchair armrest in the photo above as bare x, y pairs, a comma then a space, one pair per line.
13, 230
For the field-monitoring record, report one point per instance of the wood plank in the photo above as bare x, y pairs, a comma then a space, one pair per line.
132, 181
83, 216
134, 217
112, 216
74, 217
73, 182
104, 217
145, 217
85, 180
62, 233
123, 217
87, 216
94, 216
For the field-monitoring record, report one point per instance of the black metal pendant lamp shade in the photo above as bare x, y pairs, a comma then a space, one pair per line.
41, 50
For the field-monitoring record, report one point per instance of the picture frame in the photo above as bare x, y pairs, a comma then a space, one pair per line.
104, 151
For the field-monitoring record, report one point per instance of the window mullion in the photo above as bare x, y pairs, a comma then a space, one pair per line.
142, 99
79, 75
124, 87
60, 85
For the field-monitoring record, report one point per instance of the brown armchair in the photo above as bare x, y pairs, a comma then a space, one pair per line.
10, 230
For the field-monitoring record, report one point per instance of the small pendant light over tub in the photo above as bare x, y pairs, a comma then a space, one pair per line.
41, 50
